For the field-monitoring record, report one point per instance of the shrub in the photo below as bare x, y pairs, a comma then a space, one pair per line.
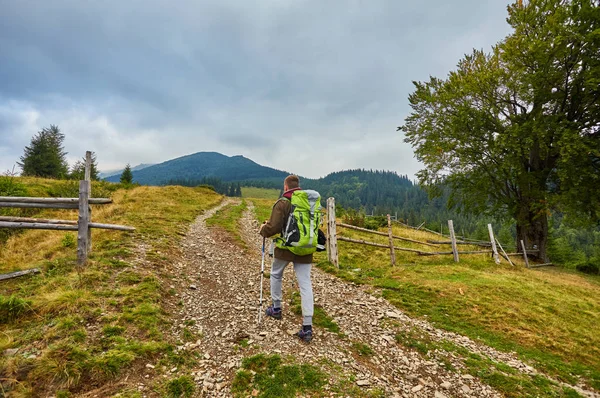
12, 307
588, 267
181, 387
68, 240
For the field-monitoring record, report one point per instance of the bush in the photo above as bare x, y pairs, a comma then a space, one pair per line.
181, 387
12, 307
355, 218
68, 240
10, 187
375, 223
588, 267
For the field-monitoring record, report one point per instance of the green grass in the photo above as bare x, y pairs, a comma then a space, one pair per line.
183, 386
547, 316
87, 328
362, 349
260, 193
270, 376
262, 209
502, 377
228, 218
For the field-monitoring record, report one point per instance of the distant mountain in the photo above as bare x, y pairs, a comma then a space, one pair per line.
118, 172
201, 165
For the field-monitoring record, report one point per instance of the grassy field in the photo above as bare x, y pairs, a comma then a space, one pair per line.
548, 316
227, 219
260, 193
75, 332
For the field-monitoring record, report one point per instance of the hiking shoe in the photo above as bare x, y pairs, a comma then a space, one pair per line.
305, 335
273, 312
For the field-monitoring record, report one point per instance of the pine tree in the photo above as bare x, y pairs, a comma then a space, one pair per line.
45, 156
127, 175
78, 169
238, 190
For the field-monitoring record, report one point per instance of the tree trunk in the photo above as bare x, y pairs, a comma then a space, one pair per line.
532, 228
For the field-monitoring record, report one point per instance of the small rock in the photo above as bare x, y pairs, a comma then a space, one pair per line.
465, 388
149, 366
174, 370
363, 383
193, 287
467, 377
439, 395
392, 314
417, 388
10, 352
207, 356
446, 385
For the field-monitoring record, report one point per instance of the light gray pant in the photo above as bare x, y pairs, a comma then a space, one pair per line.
302, 272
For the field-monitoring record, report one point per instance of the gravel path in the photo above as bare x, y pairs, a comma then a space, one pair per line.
220, 300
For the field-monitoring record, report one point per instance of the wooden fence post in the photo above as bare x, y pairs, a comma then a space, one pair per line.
88, 166
504, 253
493, 240
453, 239
332, 249
83, 223
390, 234
525, 253
88, 178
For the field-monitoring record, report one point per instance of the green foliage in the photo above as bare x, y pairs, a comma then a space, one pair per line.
45, 156
228, 219
183, 386
589, 267
516, 131
216, 184
127, 175
68, 240
10, 186
362, 349
272, 378
78, 170
12, 307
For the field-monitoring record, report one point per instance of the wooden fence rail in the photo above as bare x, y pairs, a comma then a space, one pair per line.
83, 224
491, 247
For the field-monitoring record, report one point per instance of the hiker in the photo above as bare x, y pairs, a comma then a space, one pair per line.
300, 254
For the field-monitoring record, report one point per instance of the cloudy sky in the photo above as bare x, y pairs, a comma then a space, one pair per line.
310, 86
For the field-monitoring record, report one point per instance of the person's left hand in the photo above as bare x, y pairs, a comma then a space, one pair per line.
262, 226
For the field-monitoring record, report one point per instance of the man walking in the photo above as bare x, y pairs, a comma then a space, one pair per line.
283, 256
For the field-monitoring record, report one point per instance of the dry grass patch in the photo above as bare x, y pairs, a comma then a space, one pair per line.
85, 329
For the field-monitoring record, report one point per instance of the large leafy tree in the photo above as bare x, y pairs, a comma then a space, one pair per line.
517, 131
45, 156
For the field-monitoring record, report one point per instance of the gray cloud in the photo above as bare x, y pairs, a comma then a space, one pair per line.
146, 81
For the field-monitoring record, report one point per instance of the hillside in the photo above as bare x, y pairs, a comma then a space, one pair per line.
170, 311
205, 164
118, 172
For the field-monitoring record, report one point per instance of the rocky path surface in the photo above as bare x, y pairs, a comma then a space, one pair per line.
220, 301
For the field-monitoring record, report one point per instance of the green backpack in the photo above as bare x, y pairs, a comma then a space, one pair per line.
301, 229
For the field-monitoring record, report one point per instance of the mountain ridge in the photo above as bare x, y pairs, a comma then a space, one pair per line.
199, 165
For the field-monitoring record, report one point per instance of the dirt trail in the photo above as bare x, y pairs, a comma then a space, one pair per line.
221, 297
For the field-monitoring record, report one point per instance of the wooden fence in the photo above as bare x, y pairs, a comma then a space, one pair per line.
493, 244
83, 225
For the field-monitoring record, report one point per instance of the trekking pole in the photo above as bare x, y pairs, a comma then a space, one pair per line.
262, 274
